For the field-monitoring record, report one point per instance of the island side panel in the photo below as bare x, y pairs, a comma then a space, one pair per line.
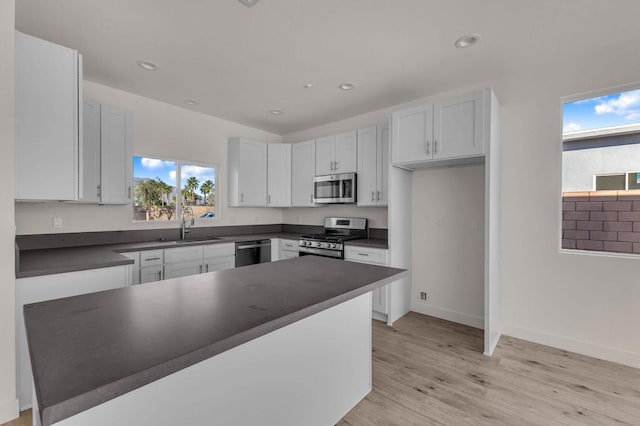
311, 372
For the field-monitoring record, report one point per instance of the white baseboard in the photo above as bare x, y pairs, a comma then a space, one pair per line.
9, 410
445, 314
606, 353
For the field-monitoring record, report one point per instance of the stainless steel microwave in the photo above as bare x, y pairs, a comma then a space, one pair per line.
335, 189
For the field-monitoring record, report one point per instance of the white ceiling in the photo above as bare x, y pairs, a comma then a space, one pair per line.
240, 62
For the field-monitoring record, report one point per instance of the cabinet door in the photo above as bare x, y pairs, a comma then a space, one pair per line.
346, 152
303, 163
90, 170
279, 175
379, 300
325, 156
135, 268
382, 197
183, 269
219, 263
48, 109
151, 273
458, 126
183, 254
252, 173
412, 134
367, 167
115, 156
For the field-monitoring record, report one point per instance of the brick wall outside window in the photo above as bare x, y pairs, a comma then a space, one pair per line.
601, 221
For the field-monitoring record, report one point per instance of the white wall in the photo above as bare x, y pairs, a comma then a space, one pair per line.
8, 401
159, 130
448, 243
579, 166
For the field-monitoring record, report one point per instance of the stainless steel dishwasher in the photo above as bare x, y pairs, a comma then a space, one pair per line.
251, 252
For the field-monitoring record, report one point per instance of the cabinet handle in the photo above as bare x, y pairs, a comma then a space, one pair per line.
269, 198
372, 196
159, 275
311, 198
377, 195
200, 268
427, 146
206, 267
99, 192
435, 146
129, 189
363, 254
331, 166
241, 197
152, 258
336, 165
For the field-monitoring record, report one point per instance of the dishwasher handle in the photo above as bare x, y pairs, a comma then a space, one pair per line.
253, 244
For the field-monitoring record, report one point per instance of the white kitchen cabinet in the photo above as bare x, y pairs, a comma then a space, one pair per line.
48, 100
48, 287
373, 166
336, 154
183, 269
135, 268
218, 257
151, 273
373, 256
278, 175
247, 173
107, 172
303, 165
450, 129
182, 261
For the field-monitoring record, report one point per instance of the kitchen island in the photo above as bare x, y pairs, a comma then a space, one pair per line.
286, 342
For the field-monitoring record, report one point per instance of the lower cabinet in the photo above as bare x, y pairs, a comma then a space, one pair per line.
151, 273
373, 256
182, 269
56, 286
282, 249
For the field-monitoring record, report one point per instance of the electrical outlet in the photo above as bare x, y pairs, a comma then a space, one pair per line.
423, 295
57, 223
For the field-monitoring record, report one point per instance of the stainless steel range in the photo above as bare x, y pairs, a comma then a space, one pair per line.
337, 230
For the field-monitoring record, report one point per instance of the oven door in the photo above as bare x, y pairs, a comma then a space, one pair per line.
306, 251
335, 188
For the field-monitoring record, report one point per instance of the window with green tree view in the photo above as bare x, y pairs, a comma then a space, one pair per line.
165, 190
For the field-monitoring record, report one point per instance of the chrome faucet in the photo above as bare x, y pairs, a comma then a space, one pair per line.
185, 228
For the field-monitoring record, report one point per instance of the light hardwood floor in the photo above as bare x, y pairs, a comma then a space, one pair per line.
428, 371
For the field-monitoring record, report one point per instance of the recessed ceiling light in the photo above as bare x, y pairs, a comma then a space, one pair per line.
146, 65
276, 111
467, 40
191, 102
248, 3
308, 86
347, 86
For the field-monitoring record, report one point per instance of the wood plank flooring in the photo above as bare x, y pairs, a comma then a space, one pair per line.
428, 371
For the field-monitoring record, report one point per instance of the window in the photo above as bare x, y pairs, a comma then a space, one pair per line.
600, 178
157, 198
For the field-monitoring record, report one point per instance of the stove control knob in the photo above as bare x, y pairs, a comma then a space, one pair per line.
333, 246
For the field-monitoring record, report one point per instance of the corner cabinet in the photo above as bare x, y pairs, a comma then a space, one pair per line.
448, 129
336, 154
278, 175
247, 173
107, 157
48, 100
303, 166
373, 166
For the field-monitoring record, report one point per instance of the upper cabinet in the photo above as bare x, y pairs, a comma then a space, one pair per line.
336, 154
247, 173
446, 130
373, 166
106, 154
278, 175
48, 92
303, 164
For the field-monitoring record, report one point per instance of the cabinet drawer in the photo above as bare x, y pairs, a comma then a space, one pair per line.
151, 258
290, 245
183, 254
215, 250
366, 255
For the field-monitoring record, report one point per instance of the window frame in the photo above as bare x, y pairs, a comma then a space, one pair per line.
179, 163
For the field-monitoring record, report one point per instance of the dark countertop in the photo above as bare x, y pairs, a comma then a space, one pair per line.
88, 349
33, 263
369, 242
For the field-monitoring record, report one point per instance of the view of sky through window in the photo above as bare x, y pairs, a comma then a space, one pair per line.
617, 109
